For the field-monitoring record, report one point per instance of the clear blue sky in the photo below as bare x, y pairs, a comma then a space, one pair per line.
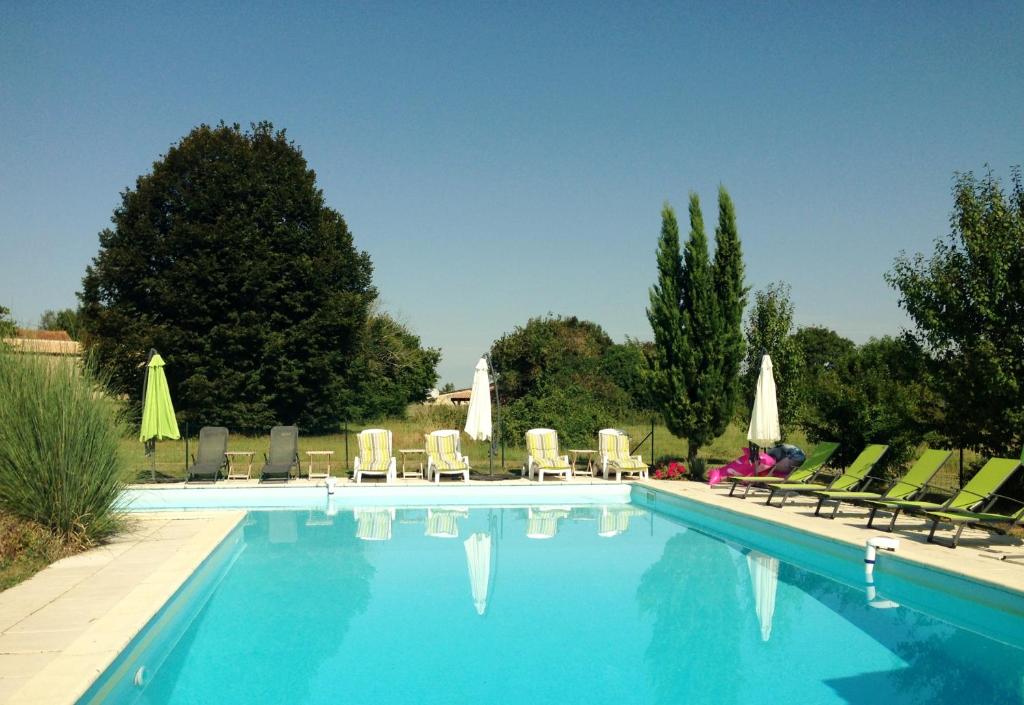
504, 160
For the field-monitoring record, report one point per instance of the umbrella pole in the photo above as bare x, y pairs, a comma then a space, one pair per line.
497, 406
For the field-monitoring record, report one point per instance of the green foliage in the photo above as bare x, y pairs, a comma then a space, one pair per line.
575, 412
25, 549
549, 351
65, 319
392, 370
877, 393
625, 366
731, 293
820, 348
226, 259
59, 460
8, 329
769, 328
567, 374
965, 302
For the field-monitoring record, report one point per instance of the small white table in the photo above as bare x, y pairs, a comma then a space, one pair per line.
406, 452
318, 456
239, 456
574, 455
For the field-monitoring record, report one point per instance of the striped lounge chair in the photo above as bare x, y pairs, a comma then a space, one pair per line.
542, 454
613, 446
444, 457
375, 456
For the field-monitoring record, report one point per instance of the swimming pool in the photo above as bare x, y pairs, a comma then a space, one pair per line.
660, 600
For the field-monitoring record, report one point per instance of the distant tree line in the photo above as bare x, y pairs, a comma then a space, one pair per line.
226, 258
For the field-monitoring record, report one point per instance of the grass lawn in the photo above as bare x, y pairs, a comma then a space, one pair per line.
408, 433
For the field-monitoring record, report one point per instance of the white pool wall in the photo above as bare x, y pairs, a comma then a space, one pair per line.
205, 498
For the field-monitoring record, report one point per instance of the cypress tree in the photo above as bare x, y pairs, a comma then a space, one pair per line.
670, 352
702, 322
686, 320
728, 274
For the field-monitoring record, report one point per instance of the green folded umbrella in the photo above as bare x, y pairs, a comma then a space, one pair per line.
158, 421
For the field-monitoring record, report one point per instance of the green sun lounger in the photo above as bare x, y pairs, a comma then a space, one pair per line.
909, 486
283, 455
807, 471
209, 459
979, 489
851, 478
962, 519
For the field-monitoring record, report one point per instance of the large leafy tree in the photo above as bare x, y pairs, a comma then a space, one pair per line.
731, 293
686, 318
821, 348
568, 374
879, 392
769, 332
392, 369
226, 259
966, 304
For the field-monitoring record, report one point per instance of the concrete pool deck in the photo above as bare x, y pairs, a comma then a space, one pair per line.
59, 630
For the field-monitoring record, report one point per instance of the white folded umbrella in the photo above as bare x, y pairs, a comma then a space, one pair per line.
478, 420
764, 419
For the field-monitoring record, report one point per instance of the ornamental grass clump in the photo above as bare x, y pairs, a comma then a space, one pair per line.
59, 461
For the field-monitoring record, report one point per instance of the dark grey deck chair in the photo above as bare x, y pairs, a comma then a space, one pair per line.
283, 455
210, 458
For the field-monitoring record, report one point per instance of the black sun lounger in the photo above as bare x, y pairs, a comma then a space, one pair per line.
283, 455
210, 458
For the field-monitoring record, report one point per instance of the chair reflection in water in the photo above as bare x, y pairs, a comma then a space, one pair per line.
374, 524
443, 523
614, 520
542, 522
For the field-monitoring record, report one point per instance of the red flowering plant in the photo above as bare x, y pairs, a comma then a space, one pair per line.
673, 471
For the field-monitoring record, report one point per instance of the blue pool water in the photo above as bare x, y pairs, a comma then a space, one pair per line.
652, 602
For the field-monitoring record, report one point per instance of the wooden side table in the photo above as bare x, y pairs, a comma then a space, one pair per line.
406, 452
319, 456
574, 455
239, 456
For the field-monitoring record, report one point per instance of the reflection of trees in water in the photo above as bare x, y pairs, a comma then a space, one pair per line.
685, 664
944, 664
288, 570
705, 645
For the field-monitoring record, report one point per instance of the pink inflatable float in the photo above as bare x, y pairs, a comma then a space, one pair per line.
742, 466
